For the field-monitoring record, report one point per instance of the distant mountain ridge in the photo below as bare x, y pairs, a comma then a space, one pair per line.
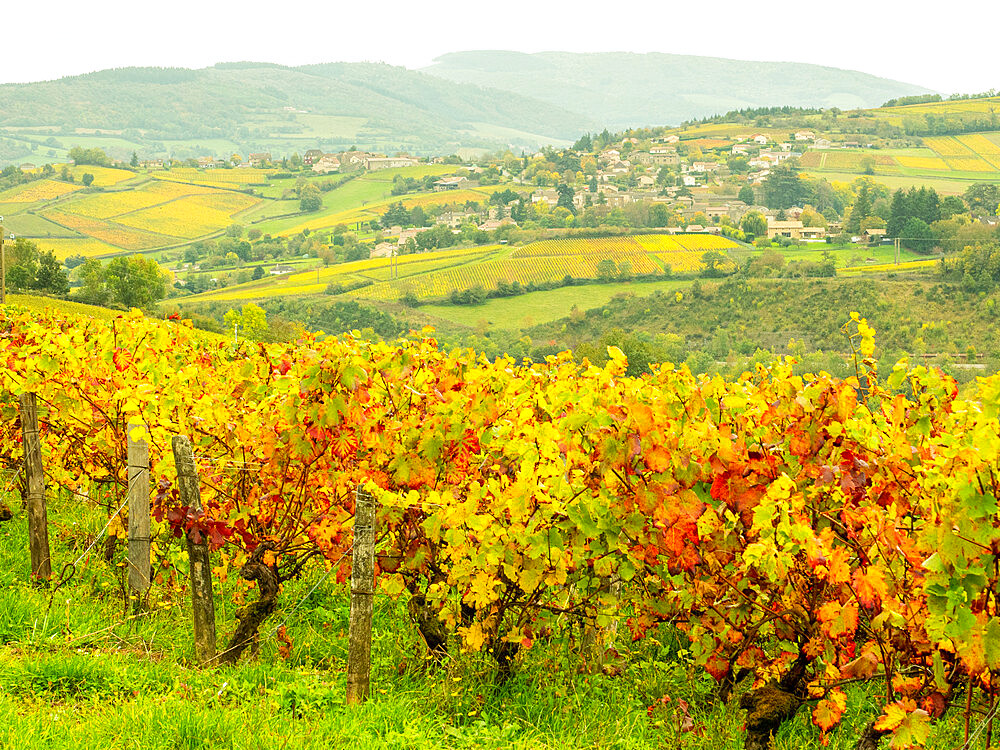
625, 89
466, 101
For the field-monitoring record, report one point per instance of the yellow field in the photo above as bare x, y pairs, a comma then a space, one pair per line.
39, 190
365, 267
538, 269
622, 250
106, 231
87, 247
191, 216
683, 252
970, 164
947, 146
30, 302
923, 162
103, 176
108, 205
225, 177
987, 149
910, 265
376, 209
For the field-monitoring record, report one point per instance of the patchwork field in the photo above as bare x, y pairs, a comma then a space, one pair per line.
191, 216
219, 177
111, 204
40, 190
87, 247
123, 237
551, 261
103, 176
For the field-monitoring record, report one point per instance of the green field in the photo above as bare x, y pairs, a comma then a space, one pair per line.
535, 308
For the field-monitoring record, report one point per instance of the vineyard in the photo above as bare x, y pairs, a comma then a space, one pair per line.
550, 261
216, 177
126, 238
191, 216
803, 536
40, 190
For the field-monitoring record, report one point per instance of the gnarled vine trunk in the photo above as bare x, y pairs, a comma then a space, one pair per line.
253, 615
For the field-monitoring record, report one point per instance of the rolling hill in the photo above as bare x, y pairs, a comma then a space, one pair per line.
466, 101
622, 89
264, 107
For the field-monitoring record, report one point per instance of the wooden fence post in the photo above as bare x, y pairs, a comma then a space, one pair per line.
203, 604
359, 639
138, 517
38, 528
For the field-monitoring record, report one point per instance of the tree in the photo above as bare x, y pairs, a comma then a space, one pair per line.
566, 194
87, 179
607, 270
784, 188
917, 235
135, 282
134, 162
396, 215
754, 224
712, 259
746, 195
310, 198
983, 198
861, 209
252, 321
50, 276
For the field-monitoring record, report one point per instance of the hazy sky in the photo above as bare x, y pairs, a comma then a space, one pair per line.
948, 48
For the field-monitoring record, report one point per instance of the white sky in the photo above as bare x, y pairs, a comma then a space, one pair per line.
948, 47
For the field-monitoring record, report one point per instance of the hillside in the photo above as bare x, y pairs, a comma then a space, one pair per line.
622, 90
259, 107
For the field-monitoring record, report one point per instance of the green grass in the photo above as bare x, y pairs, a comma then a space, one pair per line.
526, 310
32, 225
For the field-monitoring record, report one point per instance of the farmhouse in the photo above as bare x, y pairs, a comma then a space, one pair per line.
327, 163
449, 183
259, 160
793, 230
312, 156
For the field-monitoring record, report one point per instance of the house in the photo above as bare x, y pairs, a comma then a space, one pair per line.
873, 236
312, 156
454, 219
646, 181
375, 163
383, 250
259, 160
671, 139
793, 230
664, 157
28, 167
822, 143
740, 149
152, 164
207, 162
351, 161
689, 180
759, 139
280, 269
548, 195
705, 166
449, 183
805, 135
610, 155
326, 164
491, 225
645, 158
